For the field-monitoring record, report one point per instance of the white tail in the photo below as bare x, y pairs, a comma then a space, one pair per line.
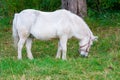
14, 30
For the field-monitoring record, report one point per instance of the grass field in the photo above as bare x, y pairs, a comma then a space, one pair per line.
103, 62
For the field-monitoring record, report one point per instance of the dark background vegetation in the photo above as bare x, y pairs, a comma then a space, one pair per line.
95, 7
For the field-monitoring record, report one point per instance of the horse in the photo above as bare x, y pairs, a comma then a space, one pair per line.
61, 24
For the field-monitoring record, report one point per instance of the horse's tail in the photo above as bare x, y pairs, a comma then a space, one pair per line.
14, 30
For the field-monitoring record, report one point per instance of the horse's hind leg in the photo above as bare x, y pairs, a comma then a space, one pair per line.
20, 46
28, 47
23, 35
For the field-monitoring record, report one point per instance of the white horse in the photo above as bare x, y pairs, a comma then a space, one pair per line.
60, 24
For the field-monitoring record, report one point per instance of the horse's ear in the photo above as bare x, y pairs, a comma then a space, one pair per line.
95, 38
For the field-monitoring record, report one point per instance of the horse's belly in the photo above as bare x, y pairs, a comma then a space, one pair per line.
44, 35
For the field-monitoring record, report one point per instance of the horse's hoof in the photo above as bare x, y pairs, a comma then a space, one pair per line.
31, 58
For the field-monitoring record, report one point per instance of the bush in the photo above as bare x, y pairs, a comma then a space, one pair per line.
103, 5
9, 7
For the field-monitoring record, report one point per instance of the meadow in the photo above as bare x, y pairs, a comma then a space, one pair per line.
103, 62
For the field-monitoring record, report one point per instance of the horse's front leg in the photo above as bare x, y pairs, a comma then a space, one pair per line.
59, 51
63, 43
28, 47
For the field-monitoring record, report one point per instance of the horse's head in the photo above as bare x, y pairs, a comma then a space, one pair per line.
85, 45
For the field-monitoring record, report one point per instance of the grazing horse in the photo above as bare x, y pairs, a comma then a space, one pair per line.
61, 24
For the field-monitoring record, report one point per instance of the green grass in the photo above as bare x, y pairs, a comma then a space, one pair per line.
103, 62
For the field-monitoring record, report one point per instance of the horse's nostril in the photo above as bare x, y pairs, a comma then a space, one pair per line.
83, 55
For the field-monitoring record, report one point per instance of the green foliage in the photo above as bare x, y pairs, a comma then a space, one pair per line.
101, 6
104, 4
107, 19
104, 11
9, 7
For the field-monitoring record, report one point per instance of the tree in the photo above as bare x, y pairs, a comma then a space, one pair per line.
78, 7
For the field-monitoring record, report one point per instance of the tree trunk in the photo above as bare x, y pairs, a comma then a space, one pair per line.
78, 7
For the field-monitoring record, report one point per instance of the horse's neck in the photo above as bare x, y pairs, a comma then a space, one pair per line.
88, 37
